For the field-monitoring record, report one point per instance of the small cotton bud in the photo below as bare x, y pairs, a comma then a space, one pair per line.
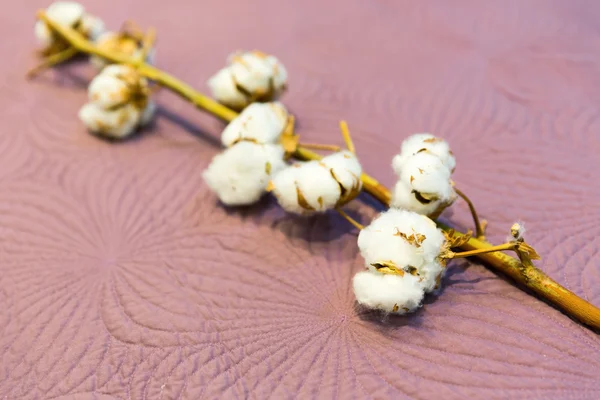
123, 43
517, 230
424, 186
404, 243
249, 77
69, 14
389, 293
318, 186
259, 122
240, 174
118, 102
424, 142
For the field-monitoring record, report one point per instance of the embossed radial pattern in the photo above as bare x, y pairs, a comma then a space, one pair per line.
121, 277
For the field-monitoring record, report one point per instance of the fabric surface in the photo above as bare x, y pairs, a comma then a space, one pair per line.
121, 277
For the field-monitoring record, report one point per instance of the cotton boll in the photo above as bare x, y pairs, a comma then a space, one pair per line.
306, 188
240, 174
409, 241
346, 170
424, 142
317, 189
223, 89
118, 123
426, 179
389, 293
68, 14
403, 197
65, 12
259, 122
108, 91
252, 72
250, 77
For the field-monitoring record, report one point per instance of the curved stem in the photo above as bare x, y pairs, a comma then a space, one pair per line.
524, 273
52, 61
348, 218
479, 229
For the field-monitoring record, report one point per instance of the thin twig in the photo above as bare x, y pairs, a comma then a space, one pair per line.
348, 218
52, 61
319, 146
479, 228
346, 135
469, 253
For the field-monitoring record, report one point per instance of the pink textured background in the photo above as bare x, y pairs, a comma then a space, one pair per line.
122, 278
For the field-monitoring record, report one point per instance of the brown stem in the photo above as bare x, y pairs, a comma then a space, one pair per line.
525, 274
479, 228
492, 249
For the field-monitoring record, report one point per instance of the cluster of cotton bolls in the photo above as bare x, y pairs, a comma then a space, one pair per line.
424, 168
70, 14
118, 102
248, 77
317, 186
402, 251
241, 173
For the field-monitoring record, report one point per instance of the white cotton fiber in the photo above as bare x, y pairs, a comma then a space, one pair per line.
407, 240
305, 188
108, 91
424, 142
316, 186
118, 102
424, 186
346, 169
389, 293
259, 122
117, 123
71, 14
240, 174
250, 76
223, 89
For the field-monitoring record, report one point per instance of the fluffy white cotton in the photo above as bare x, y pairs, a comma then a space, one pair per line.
69, 14
424, 142
117, 123
389, 293
240, 174
223, 88
122, 43
107, 91
118, 102
250, 76
305, 188
410, 241
318, 186
259, 122
346, 169
424, 186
